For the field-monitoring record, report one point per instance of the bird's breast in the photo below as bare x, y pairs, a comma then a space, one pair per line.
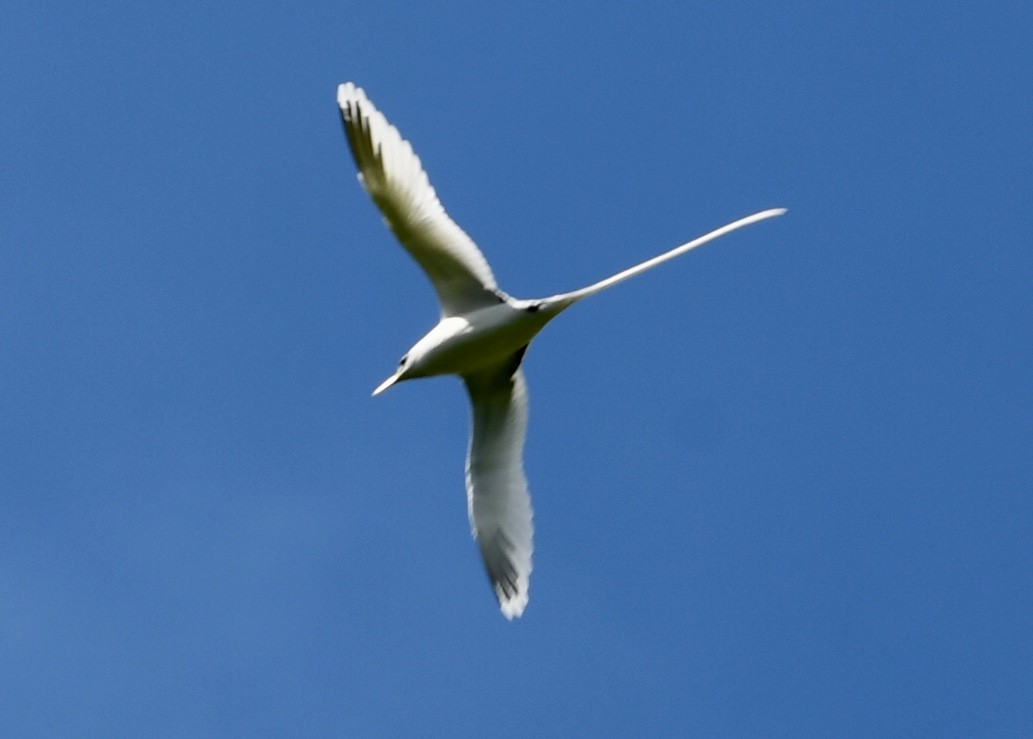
483, 338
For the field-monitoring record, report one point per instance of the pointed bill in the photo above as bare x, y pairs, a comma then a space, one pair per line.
386, 384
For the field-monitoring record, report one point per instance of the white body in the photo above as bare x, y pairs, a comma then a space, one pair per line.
478, 340
482, 336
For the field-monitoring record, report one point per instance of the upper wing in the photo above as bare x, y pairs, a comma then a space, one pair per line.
394, 178
497, 496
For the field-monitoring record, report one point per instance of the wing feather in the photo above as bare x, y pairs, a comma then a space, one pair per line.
497, 496
393, 176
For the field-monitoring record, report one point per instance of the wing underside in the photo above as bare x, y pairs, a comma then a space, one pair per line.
394, 178
497, 495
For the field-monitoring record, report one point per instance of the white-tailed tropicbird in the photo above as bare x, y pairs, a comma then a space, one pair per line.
482, 336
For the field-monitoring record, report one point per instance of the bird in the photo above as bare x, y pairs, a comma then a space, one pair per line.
482, 336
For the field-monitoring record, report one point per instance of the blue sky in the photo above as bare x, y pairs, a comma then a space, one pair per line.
782, 484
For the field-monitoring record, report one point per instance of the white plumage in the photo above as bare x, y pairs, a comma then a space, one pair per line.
482, 336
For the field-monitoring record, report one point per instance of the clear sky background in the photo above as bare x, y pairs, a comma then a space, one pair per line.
782, 484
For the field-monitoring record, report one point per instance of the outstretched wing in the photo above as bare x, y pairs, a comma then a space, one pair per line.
392, 175
497, 496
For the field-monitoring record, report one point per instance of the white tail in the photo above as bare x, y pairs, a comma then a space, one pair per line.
572, 297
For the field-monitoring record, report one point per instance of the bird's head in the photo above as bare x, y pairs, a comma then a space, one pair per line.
405, 366
430, 355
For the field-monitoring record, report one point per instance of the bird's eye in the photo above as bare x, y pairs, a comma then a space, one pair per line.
403, 360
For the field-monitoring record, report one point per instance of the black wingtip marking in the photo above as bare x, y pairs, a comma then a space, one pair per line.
502, 573
349, 118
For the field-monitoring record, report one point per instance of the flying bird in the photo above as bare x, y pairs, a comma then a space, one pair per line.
482, 336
